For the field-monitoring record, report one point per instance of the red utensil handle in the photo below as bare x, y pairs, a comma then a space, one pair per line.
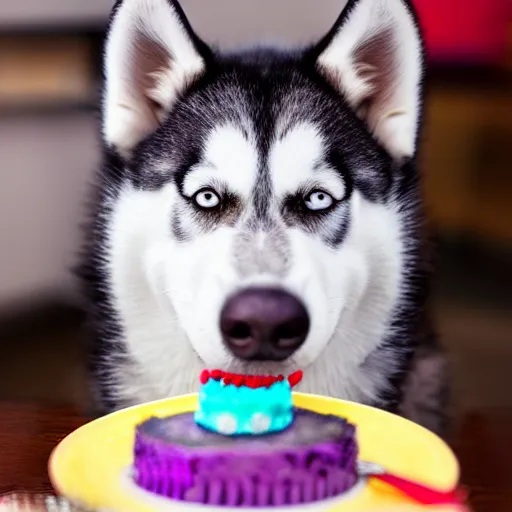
423, 494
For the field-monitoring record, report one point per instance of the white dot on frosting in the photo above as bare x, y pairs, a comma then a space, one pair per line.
226, 424
260, 423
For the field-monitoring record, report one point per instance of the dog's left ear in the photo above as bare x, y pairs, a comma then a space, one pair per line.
374, 56
152, 55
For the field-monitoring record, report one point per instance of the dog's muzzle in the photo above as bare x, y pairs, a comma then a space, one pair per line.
264, 324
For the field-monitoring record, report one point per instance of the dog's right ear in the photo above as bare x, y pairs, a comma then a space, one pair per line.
152, 55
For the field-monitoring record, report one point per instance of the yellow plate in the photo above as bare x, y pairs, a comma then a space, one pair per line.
90, 466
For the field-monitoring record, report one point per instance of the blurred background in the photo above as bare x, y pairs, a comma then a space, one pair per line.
50, 73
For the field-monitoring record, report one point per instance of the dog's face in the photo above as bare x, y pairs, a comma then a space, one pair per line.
262, 192
259, 204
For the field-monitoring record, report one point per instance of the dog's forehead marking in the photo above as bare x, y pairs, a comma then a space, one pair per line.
298, 159
293, 157
230, 157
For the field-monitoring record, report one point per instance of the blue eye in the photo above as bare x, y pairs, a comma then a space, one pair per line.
318, 200
206, 199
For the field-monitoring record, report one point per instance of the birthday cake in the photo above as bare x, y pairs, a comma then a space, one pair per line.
246, 445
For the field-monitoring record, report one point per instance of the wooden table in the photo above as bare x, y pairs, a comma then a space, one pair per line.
28, 433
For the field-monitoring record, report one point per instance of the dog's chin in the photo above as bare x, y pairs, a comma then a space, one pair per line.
262, 367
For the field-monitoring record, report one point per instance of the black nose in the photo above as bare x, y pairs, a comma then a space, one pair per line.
264, 324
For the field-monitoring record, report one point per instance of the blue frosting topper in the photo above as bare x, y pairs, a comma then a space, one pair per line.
237, 405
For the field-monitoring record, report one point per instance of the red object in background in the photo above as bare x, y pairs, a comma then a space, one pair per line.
466, 31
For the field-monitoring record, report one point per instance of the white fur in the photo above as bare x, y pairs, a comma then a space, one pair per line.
129, 110
138, 242
231, 160
294, 164
393, 113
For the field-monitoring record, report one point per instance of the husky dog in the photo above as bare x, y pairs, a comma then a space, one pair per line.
261, 212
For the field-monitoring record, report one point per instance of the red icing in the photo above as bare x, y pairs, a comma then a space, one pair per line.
268, 381
250, 381
259, 381
295, 378
238, 380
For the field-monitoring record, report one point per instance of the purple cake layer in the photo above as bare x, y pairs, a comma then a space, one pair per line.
312, 460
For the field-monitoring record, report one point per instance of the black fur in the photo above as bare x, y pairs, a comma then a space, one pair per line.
105, 331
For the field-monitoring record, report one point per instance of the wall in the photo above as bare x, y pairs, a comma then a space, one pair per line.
46, 164
225, 20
